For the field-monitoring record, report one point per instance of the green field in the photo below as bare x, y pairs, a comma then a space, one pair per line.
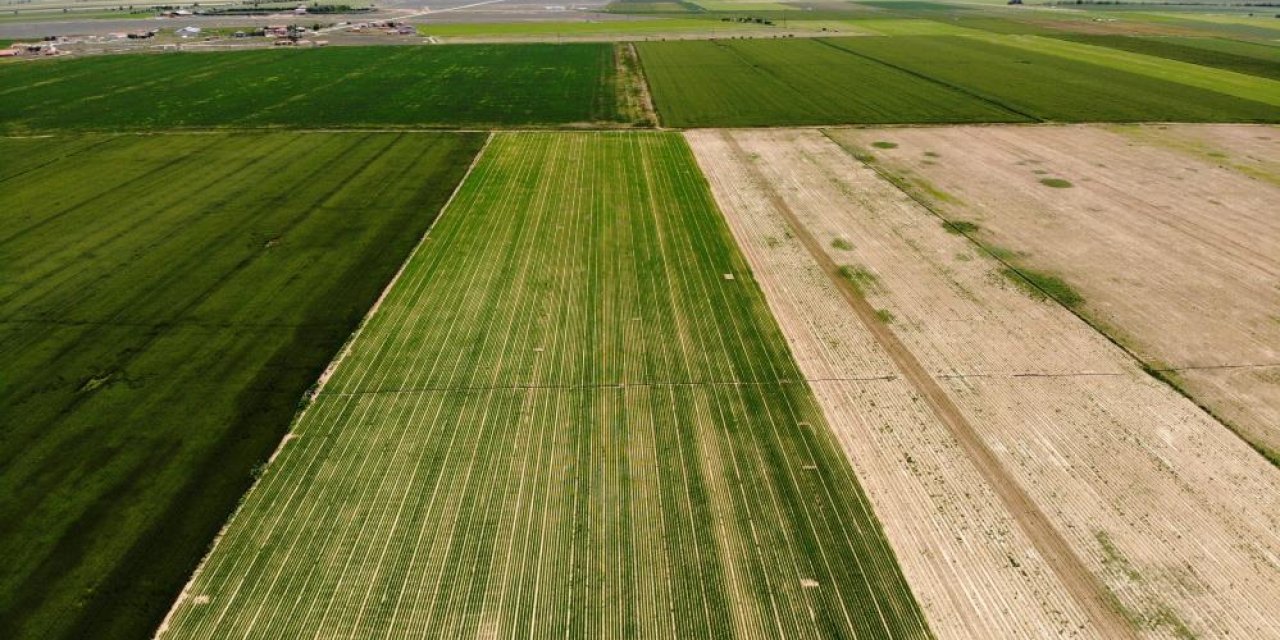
1247, 87
165, 303
1230, 55
463, 85
795, 82
1057, 88
564, 421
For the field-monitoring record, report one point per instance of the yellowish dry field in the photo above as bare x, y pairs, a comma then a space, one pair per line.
1168, 233
1171, 517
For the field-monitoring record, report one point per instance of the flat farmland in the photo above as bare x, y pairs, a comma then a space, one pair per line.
938, 79
1253, 88
571, 416
1232, 55
1021, 75
1032, 478
462, 85
165, 303
794, 82
1178, 264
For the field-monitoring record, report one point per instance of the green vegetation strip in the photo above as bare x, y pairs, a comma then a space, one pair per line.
573, 416
166, 302
463, 85
796, 82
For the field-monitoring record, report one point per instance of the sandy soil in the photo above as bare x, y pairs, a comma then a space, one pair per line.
1169, 234
1170, 511
1249, 149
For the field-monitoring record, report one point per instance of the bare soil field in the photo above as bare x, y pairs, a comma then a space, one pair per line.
1250, 149
1167, 234
1172, 516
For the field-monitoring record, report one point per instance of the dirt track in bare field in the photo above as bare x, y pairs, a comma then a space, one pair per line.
1168, 233
1165, 508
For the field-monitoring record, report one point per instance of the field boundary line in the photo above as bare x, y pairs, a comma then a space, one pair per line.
652, 99
646, 91
1159, 373
926, 78
311, 395
1089, 592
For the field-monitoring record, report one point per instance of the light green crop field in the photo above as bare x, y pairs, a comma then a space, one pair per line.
1240, 85
912, 27
564, 421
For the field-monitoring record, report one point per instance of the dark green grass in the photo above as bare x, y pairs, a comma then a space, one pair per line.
1056, 183
462, 85
1043, 285
1231, 55
961, 227
165, 302
1054, 88
795, 82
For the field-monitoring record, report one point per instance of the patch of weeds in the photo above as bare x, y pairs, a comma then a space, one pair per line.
97, 382
960, 227
1000, 253
771, 242
1112, 558
1056, 183
860, 278
885, 315
963, 257
842, 244
1040, 285
1162, 616
1165, 617
937, 194
932, 154
883, 144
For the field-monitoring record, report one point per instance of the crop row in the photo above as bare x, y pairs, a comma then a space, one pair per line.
572, 416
